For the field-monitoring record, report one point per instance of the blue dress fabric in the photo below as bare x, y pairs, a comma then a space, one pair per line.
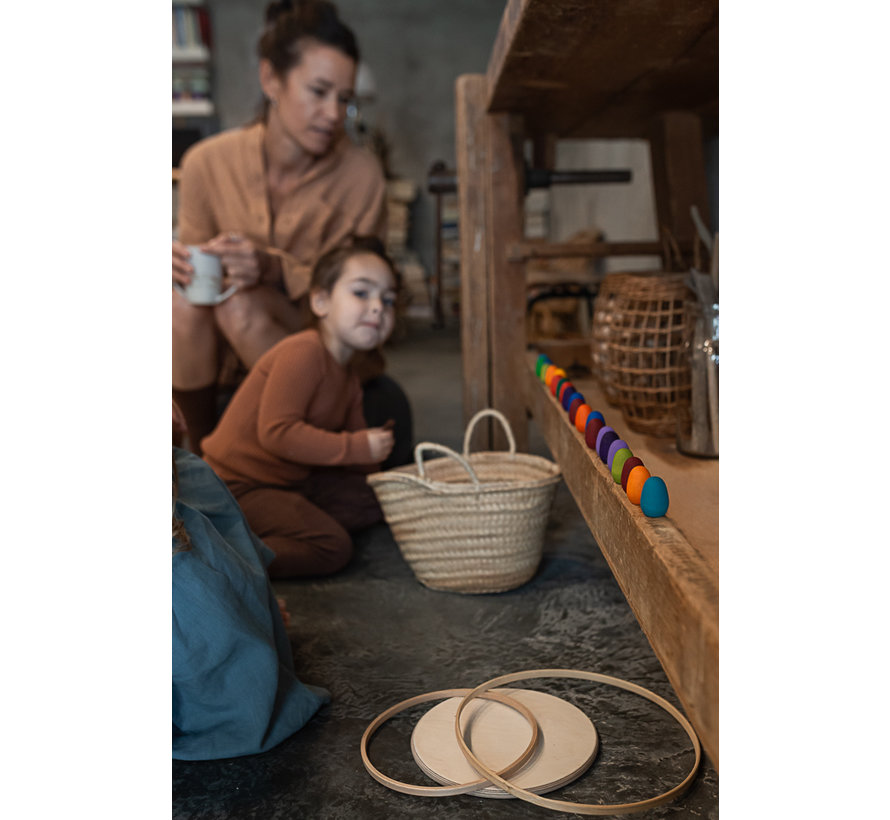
234, 688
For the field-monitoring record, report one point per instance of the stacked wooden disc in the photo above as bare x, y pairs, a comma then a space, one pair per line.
637, 345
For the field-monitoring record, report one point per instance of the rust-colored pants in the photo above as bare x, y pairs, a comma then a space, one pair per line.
308, 525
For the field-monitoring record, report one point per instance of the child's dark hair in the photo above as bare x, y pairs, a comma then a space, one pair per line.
289, 23
329, 267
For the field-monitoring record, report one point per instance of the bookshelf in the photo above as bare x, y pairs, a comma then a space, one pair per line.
191, 54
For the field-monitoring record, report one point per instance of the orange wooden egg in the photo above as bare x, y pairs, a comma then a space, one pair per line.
557, 373
581, 415
548, 373
635, 482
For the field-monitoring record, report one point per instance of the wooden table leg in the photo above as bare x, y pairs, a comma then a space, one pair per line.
505, 204
471, 150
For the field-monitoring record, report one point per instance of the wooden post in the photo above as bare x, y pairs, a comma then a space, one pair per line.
678, 172
472, 151
505, 197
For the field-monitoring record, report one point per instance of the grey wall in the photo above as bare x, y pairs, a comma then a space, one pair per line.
416, 49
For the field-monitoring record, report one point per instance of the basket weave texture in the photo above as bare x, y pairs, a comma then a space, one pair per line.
637, 348
470, 523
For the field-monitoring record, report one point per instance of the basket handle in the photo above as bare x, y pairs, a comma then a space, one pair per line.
428, 445
495, 414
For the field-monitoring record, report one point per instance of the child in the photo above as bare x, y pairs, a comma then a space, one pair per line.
235, 691
292, 445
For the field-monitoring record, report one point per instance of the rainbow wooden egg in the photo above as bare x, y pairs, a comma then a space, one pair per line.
564, 388
576, 403
635, 481
553, 375
603, 430
632, 462
618, 461
556, 385
605, 442
654, 499
592, 431
568, 396
614, 447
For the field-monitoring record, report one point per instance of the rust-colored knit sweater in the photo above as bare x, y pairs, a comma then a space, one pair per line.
297, 408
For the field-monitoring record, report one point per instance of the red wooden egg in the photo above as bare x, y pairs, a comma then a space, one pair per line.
632, 462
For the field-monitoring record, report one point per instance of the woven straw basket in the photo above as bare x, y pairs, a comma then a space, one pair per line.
470, 523
637, 344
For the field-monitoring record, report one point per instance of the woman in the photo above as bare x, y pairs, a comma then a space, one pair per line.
269, 199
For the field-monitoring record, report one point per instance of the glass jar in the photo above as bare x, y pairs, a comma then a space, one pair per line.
697, 426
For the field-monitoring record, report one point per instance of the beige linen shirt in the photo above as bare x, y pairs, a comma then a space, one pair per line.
223, 188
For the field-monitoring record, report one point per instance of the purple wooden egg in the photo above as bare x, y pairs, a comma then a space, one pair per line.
605, 443
599, 436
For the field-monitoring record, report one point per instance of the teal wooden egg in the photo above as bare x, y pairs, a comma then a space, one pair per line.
654, 499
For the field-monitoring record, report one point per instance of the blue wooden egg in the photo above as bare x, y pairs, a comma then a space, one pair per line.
595, 414
654, 499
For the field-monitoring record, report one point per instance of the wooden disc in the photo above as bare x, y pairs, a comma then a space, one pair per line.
497, 734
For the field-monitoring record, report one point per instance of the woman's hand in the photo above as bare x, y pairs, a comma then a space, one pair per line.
381, 440
182, 269
239, 257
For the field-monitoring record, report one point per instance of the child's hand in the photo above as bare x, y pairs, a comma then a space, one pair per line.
381, 440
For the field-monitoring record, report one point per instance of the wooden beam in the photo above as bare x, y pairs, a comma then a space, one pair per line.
505, 188
472, 159
669, 582
678, 172
544, 151
583, 69
522, 251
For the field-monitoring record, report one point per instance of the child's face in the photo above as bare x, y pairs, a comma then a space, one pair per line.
359, 312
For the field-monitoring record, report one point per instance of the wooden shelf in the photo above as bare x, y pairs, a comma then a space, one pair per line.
625, 69
192, 108
191, 54
582, 69
666, 567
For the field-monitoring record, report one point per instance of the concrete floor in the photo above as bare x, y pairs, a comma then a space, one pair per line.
374, 636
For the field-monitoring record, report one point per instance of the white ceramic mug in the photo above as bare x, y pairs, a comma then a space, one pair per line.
206, 285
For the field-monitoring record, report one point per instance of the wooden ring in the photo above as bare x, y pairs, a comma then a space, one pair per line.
566, 805
445, 791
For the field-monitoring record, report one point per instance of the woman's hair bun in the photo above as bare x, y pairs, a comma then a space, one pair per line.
276, 8
288, 22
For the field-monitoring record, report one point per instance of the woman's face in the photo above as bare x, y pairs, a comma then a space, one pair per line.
310, 101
